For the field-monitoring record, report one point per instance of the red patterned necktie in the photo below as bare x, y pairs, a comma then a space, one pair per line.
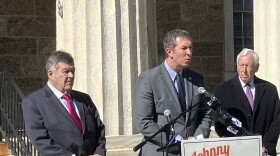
73, 113
250, 95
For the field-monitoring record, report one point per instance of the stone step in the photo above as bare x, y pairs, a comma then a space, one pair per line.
122, 145
4, 149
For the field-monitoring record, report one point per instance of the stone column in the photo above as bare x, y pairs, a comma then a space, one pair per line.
228, 41
112, 41
267, 39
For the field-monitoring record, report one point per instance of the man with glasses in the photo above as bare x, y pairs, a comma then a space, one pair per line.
253, 101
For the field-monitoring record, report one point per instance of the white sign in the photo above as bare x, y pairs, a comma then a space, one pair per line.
230, 146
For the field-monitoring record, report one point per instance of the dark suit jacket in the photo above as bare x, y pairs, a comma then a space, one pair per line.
156, 93
263, 120
52, 130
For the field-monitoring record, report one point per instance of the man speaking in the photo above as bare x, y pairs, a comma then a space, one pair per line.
171, 86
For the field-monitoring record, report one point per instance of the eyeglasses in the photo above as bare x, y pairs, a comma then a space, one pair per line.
249, 67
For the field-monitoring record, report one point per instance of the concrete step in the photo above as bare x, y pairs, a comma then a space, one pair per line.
4, 149
122, 145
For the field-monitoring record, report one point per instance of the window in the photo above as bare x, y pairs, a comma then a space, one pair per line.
243, 25
239, 32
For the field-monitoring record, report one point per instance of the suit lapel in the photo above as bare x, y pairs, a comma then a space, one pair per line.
188, 88
55, 102
191, 89
169, 86
259, 91
239, 92
192, 96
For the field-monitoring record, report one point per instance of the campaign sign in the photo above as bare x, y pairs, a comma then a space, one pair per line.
229, 146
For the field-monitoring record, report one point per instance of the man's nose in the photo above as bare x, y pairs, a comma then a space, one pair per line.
70, 74
244, 68
189, 51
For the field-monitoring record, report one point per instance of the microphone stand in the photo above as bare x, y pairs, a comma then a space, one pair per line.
163, 129
227, 117
168, 141
214, 104
228, 122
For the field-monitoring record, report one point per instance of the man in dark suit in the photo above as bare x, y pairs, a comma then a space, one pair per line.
171, 86
259, 112
60, 121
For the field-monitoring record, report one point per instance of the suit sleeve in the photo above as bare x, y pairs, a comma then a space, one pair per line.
270, 138
205, 116
205, 121
145, 113
101, 140
38, 133
220, 129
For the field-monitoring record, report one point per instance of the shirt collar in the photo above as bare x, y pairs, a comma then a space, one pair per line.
171, 72
252, 84
56, 92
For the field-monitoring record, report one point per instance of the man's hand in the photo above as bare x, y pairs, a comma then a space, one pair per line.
96, 155
264, 151
190, 137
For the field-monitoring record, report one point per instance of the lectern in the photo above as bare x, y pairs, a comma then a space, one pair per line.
229, 146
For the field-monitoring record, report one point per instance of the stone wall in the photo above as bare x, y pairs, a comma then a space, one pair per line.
203, 19
27, 36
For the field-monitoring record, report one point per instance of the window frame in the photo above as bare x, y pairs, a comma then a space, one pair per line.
229, 58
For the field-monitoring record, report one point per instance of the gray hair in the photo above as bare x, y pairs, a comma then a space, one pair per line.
56, 57
247, 51
169, 40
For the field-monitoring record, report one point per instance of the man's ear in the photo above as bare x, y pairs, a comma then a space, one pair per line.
50, 74
169, 52
257, 67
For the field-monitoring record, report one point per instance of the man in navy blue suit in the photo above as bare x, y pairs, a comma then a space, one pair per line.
251, 100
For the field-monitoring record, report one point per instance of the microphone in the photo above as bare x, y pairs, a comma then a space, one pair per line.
172, 139
202, 90
213, 102
225, 118
167, 114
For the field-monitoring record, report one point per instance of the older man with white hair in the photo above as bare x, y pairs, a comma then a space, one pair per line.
253, 101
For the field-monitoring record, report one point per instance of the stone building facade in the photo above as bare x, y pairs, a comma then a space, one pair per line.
204, 20
27, 36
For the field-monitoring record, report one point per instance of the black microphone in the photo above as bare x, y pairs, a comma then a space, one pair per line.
167, 114
202, 90
225, 118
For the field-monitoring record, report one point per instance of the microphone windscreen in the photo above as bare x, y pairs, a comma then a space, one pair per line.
167, 112
201, 90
